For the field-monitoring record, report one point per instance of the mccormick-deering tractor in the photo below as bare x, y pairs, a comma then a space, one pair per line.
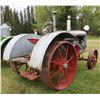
52, 57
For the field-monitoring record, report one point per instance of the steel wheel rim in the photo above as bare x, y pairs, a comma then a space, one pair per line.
63, 69
92, 59
16, 66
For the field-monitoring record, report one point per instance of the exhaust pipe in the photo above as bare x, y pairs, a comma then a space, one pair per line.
54, 20
69, 23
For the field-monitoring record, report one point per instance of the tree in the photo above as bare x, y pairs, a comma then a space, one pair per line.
21, 21
95, 22
32, 15
62, 13
8, 15
28, 19
2, 14
16, 26
24, 21
90, 15
21, 17
44, 13
25, 16
28, 15
25, 28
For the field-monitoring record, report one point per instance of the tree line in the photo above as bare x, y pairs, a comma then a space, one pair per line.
24, 21
80, 16
20, 22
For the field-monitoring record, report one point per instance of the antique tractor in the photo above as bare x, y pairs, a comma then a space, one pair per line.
52, 57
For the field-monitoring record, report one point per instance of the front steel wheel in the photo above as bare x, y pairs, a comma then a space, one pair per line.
92, 59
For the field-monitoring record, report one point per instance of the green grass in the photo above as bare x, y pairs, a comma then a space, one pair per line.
93, 37
86, 81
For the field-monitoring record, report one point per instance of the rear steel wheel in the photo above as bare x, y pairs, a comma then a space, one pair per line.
92, 59
59, 65
19, 67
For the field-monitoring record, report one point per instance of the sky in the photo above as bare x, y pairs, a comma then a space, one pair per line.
23, 3
18, 8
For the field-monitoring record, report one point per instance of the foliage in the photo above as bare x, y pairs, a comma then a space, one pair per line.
63, 12
20, 22
90, 15
44, 14
35, 17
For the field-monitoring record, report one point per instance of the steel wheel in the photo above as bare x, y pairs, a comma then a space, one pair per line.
19, 67
92, 59
59, 65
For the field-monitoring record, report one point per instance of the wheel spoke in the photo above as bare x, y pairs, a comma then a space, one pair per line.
55, 74
19, 66
67, 52
61, 55
59, 80
55, 62
26, 67
94, 64
69, 68
94, 58
70, 58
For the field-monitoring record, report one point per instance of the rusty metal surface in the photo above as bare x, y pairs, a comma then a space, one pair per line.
18, 67
30, 74
59, 66
92, 59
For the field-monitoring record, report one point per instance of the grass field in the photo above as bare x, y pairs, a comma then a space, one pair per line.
86, 81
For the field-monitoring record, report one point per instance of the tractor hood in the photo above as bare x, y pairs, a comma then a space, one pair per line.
78, 33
